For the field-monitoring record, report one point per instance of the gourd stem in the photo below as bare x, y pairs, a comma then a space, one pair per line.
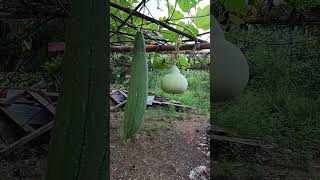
176, 54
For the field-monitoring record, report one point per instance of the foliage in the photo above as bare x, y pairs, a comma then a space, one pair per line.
238, 10
281, 103
52, 73
197, 94
175, 16
19, 79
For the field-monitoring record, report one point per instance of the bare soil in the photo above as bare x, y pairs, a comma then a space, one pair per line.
162, 153
159, 152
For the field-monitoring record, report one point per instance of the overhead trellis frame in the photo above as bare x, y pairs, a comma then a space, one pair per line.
48, 8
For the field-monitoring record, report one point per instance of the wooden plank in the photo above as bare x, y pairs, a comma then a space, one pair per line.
217, 130
118, 106
51, 94
248, 142
43, 101
29, 137
118, 97
18, 121
14, 98
123, 93
22, 101
40, 84
22, 93
172, 104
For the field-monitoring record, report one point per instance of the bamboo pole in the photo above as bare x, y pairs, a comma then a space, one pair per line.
149, 48
159, 48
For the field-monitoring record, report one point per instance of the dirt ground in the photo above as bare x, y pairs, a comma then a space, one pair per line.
160, 152
164, 150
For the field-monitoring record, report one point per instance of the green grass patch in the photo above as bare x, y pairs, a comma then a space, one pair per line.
288, 120
197, 94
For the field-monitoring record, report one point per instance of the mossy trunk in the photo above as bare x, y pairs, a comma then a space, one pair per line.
79, 144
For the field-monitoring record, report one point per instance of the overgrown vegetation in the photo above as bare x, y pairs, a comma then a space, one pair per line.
281, 103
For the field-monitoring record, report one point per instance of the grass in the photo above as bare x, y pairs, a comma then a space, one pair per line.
289, 120
197, 94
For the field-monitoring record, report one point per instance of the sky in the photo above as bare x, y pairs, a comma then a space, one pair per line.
152, 5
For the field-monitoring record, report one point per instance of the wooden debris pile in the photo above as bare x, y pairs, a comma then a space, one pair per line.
27, 113
24, 115
225, 145
119, 98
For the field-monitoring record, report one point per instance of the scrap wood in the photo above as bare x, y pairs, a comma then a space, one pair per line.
123, 93
22, 93
248, 142
118, 105
36, 133
216, 130
18, 121
172, 104
29, 137
22, 101
117, 96
43, 101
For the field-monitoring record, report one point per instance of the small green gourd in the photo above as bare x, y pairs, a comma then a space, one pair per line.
229, 69
138, 90
174, 82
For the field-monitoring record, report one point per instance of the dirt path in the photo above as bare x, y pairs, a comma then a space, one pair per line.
163, 153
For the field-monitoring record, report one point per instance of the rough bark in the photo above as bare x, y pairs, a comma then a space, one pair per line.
79, 146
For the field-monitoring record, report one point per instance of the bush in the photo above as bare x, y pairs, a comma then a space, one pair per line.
52, 73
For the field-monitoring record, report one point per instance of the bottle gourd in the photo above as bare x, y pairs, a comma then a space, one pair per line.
174, 82
229, 68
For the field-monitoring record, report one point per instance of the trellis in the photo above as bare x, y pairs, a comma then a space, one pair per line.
52, 9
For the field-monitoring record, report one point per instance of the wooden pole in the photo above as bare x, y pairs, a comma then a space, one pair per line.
156, 48
149, 48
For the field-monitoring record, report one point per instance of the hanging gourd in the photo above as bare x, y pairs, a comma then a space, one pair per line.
138, 90
229, 69
174, 82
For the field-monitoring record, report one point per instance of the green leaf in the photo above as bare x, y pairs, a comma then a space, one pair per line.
172, 36
164, 18
176, 14
158, 61
235, 5
183, 61
203, 22
236, 19
190, 27
153, 26
186, 5
193, 29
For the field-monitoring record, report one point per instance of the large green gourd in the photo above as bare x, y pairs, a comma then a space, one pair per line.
138, 89
174, 82
230, 71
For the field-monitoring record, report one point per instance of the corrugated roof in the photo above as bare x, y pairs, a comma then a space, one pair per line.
56, 46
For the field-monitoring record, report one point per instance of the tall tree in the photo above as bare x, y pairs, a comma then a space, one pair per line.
79, 146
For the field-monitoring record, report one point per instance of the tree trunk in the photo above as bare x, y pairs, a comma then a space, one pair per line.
79, 148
